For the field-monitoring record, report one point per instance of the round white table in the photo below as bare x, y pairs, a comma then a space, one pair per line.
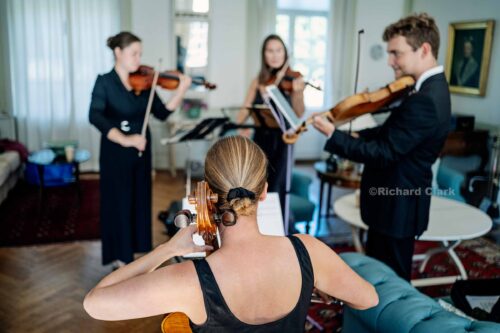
450, 222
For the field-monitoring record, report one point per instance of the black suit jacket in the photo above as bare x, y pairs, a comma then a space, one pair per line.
396, 182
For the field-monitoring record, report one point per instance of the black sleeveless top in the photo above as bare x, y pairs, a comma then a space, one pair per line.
221, 319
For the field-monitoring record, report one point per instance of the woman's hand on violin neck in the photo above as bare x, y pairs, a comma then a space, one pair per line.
184, 82
176, 100
182, 243
298, 85
135, 140
322, 124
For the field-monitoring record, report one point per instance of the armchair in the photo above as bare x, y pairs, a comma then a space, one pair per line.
300, 205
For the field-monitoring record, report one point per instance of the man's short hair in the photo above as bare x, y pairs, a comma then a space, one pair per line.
418, 29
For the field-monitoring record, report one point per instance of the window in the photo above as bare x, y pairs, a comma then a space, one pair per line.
191, 31
304, 31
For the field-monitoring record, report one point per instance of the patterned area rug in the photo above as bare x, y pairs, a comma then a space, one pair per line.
65, 213
480, 257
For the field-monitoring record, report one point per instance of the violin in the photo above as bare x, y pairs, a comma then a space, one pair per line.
284, 79
142, 79
357, 105
285, 83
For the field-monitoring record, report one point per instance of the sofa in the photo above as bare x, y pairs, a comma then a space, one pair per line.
402, 308
10, 169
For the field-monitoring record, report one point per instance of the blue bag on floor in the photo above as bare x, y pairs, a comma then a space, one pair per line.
56, 174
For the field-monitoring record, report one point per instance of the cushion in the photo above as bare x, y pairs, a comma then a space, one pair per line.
12, 159
303, 209
462, 164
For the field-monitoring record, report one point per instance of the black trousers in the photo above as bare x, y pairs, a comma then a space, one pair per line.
397, 253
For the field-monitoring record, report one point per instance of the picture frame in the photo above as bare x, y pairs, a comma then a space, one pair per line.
468, 56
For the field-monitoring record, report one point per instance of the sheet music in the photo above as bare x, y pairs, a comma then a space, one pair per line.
269, 220
283, 106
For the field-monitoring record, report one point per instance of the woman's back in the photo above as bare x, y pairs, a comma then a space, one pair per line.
251, 280
266, 282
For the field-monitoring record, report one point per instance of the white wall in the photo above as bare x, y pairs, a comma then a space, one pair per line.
374, 17
486, 109
227, 52
152, 21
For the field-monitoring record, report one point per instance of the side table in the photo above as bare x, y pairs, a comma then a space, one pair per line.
342, 178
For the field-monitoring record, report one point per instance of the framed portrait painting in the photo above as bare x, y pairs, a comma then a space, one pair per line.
468, 56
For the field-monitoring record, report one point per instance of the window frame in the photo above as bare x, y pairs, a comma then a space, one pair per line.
290, 43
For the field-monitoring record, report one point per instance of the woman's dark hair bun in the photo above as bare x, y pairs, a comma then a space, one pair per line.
122, 40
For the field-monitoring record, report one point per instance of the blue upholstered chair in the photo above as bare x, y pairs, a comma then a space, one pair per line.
401, 307
449, 175
300, 205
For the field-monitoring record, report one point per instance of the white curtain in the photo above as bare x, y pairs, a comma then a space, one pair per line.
56, 50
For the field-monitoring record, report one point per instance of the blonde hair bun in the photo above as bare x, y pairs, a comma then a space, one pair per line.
236, 169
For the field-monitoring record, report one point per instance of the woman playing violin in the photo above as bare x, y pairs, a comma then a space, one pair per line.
253, 283
274, 63
125, 177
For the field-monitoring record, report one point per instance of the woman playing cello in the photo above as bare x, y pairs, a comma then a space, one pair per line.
252, 283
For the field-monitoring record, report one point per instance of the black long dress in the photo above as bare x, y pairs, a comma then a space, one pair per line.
125, 178
271, 142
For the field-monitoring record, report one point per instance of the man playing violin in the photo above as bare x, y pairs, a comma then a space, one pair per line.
398, 155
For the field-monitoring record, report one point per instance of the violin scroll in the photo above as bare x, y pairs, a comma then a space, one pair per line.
204, 199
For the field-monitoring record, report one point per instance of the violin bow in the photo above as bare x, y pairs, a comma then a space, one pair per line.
150, 102
361, 31
281, 73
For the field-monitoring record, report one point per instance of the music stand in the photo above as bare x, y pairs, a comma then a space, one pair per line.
199, 132
283, 115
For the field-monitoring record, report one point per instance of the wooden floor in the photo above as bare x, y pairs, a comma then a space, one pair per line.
42, 287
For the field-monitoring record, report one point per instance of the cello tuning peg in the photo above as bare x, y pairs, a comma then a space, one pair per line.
183, 218
228, 218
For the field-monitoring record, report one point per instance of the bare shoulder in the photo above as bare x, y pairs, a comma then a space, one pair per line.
313, 244
185, 272
254, 82
183, 284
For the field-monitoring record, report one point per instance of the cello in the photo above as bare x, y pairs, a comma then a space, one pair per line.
207, 218
357, 105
